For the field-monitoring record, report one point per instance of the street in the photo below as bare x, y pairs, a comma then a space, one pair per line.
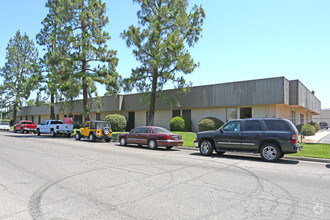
61, 178
326, 139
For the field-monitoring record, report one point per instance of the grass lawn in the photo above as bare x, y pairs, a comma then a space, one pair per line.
188, 138
314, 150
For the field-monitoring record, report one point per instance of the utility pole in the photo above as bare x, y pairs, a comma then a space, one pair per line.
1, 108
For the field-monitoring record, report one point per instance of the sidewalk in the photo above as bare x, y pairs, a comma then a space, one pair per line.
316, 138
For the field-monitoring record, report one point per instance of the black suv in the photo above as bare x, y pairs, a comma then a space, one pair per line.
271, 137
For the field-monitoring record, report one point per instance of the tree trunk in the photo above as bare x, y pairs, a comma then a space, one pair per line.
85, 101
151, 116
84, 67
52, 107
14, 114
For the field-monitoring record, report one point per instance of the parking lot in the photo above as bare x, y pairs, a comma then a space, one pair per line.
61, 178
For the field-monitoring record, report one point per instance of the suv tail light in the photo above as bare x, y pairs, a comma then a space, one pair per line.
294, 139
57, 127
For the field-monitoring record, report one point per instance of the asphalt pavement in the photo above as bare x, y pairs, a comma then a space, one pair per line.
61, 178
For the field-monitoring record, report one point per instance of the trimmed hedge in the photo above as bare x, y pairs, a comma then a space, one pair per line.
209, 123
308, 130
180, 124
299, 128
118, 122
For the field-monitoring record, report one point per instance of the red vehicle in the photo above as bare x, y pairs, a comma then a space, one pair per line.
151, 136
25, 127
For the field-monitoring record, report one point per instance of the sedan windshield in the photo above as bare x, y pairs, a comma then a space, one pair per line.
26, 123
161, 130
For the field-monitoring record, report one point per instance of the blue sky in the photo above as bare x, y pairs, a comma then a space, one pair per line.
242, 39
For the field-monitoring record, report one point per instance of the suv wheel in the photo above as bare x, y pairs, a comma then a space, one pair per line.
77, 136
206, 147
106, 131
152, 144
91, 137
270, 152
122, 141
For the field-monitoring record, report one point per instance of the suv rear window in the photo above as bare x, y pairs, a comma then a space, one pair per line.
277, 125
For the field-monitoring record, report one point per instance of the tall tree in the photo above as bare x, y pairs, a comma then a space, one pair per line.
160, 42
57, 64
95, 62
19, 72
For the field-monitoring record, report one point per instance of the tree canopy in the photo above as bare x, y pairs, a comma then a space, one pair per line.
166, 29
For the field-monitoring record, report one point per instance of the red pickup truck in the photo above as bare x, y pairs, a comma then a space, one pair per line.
25, 127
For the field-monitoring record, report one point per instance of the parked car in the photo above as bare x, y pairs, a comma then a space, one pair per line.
151, 136
54, 128
95, 130
323, 125
271, 137
25, 127
4, 126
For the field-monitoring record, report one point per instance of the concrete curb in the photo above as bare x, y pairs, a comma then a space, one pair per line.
311, 159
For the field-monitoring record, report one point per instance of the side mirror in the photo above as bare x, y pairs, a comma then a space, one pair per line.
221, 130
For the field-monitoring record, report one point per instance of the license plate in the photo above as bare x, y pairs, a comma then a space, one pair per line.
175, 138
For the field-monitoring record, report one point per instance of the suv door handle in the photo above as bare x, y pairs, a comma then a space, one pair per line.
238, 134
258, 135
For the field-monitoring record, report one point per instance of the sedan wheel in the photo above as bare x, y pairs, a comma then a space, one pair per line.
152, 144
206, 148
270, 152
122, 141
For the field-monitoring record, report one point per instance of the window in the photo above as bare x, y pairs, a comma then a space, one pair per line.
57, 117
175, 113
146, 130
32, 119
98, 116
87, 125
231, 114
26, 117
186, 114
277, 125
232, 126
252, 126
65, 116
21, 118
302, 119
159, 130
39, 119
93, 125
137, 130
293, 117
246, 112
56, 122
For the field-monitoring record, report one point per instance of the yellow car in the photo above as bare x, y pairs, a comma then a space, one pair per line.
95, 130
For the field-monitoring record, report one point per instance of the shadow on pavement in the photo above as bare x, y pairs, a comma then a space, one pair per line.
145, 147
34, 136
327, 166
247, 158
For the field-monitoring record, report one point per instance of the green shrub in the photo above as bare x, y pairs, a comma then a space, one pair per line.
77, 126
118, 122
180, 124
6, 120
299, 128
316, 125
209, 123
308, 130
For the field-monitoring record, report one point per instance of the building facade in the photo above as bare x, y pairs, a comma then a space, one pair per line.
323, 117
271, 97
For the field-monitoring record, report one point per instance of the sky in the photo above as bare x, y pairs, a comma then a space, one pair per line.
242, 39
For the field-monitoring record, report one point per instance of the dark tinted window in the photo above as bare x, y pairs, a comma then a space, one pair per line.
26, 123
232, 126
146, 130
277, 125
175, 113
56, 122
252, 126
186, 114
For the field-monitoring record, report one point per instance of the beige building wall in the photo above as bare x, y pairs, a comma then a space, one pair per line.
323, 117
140, 118
200, 113
163, 118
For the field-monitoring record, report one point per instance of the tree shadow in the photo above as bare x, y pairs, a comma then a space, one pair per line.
253, 157
327, 166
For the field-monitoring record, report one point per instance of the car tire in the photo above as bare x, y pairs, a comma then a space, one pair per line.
206, 147
107, 140
78, 136
169, 147
270, 152
91, 137
219, 152
122, 141
38, 132
152, 144
52, 133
